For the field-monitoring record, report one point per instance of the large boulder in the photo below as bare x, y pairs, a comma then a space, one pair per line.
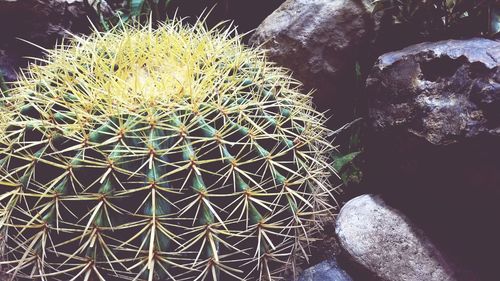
442, 92
383, 240
320, 41
41, 22
434, 150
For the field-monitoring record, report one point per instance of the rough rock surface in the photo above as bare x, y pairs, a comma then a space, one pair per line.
328, 270
320, 41
41, 22
442, 92
435, 119
381, 239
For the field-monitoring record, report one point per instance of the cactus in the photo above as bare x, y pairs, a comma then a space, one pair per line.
174, 153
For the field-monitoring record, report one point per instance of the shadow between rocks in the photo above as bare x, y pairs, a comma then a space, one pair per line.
450, 192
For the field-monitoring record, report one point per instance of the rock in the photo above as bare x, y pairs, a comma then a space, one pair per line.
41, 22
442, 92
320, 41
386, 243
328, 270
434, 146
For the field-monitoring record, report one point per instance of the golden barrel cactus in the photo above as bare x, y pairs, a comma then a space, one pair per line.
173, 153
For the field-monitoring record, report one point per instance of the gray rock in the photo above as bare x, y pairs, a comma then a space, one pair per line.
320, 41
442, 92
42, 22
382, 240
328, 270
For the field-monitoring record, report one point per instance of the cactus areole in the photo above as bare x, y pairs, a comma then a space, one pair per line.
174, 153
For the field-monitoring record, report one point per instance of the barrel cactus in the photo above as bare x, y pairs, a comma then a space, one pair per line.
174, 153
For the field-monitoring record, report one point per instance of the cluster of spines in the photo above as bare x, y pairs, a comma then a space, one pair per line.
117, 167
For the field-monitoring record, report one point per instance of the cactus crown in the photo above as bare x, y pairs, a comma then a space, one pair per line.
166, 154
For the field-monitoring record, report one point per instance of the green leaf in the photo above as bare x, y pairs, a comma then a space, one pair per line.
104, 23
136, 7
351, 176
495, 21
122, 17
342, 161
3, 86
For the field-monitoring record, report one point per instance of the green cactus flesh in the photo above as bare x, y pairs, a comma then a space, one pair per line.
167, 154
